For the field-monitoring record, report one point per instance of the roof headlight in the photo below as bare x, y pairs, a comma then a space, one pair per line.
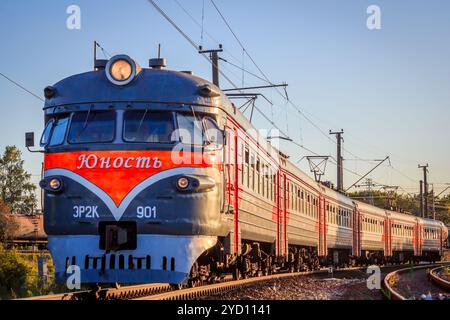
121, 70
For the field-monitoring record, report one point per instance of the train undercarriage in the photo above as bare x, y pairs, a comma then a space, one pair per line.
259, 259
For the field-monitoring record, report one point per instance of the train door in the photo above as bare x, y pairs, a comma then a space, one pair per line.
280, 209
279, 192
356, 225
322, 247
416, 239
419, 239
388, 237
232, 185
283, 215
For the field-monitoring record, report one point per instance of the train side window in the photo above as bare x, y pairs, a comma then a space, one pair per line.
213, 134
59, 131
246, 162
92, 126
263, 181
258, 174
46, 134
252, 172
190, 129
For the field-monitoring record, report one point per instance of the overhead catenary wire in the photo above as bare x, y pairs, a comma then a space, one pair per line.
253, 61
270, 82
239, 41
21, 87
201, 26
193, 44
300, 111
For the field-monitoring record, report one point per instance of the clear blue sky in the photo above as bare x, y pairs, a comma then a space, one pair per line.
388, 89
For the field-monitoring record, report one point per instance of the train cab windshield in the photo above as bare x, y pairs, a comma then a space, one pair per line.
137, 126
145, 126
92, 127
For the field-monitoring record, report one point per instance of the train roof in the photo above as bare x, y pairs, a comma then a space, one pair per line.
369, 209
150, 85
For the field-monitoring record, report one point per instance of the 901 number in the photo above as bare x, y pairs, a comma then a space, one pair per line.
146, 212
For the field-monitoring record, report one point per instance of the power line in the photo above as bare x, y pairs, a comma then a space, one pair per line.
240, 43
265, 78
201, 26
21, 87
186, 36
270, 82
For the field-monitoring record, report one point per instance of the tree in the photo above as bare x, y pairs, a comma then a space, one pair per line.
405, 203
8, 226
13, 274
16, 188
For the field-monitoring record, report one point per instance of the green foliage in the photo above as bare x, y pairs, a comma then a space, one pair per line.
16, 188
404, 203
7, 225
13, 274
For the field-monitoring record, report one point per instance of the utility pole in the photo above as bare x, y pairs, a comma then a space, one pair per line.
370, 184
340, 169
421, 198
425, 189
369, 190
214, 56
433, 208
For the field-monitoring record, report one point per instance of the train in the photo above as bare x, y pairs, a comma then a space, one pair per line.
154, 176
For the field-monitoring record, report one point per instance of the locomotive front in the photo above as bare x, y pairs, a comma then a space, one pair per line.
133, 172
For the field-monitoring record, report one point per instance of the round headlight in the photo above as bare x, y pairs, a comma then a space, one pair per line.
55, 184
183, 183
121, 70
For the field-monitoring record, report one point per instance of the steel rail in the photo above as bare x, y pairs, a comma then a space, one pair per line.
198, 292
120, 293
167, 292
389, 281
436, 279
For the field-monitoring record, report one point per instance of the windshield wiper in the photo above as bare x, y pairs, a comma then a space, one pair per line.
84, 124
141, 122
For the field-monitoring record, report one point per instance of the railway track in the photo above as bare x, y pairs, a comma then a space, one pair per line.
436, 276
168, 292
412, 282
121, 293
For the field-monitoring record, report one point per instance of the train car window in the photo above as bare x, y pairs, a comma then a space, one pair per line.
92, 126
190, 129
263, 186
252, 171
246, 169
213, 134
59, 131
46, 134
258, 178
148, 127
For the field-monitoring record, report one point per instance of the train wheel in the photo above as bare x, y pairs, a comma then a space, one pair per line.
176, 286
192, 283
236, 274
